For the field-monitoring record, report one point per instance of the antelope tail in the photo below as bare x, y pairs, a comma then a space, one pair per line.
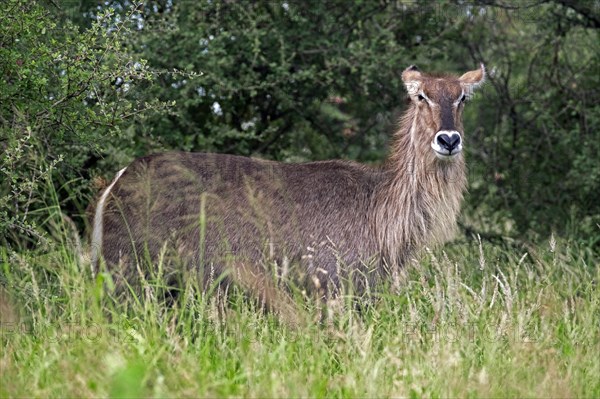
96, 245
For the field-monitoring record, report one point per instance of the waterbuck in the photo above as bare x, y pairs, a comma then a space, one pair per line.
209, 215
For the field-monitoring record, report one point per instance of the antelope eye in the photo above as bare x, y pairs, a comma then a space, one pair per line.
463, 98
420, 97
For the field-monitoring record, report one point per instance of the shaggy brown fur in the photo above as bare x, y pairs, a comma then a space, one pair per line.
213, 214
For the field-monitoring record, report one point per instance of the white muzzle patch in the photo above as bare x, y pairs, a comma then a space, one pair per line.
447, 144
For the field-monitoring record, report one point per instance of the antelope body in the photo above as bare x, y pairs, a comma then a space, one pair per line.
210, 213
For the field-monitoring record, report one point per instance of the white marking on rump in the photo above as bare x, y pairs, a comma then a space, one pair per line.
98, 223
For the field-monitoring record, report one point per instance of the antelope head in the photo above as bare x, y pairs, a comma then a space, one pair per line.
437, 105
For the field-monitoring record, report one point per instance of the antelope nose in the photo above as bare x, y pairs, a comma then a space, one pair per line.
448, 140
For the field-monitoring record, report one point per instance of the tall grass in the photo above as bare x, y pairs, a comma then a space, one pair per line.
477, 320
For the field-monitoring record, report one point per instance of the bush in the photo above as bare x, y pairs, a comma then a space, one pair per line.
65, 94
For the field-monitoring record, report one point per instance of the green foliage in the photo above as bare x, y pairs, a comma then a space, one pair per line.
537, 142
273, 69
63, 95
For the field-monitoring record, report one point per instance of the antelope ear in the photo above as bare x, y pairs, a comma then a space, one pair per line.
473, 79
412, 79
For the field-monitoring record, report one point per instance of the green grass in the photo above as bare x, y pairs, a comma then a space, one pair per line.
475, 321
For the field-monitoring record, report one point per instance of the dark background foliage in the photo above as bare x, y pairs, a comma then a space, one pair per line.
84, 92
